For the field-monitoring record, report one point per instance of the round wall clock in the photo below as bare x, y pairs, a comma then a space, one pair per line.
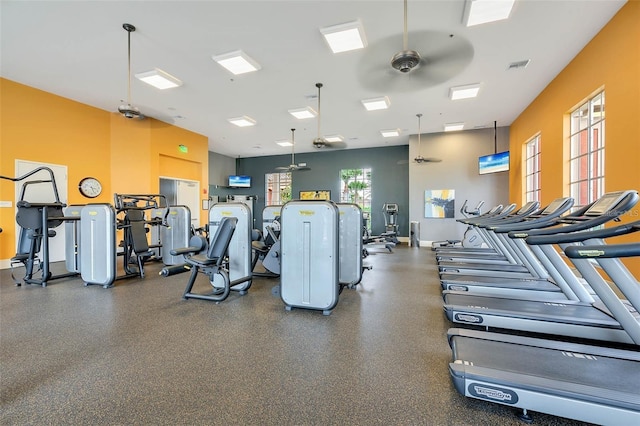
90, 187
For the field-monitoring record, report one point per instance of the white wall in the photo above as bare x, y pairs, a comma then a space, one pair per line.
458, 170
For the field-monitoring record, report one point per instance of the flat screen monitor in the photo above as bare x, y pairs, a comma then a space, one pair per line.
240, 181
493, 163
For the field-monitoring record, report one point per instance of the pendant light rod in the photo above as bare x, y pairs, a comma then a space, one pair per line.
495, 137
419, 131
319, 85
293, 144
405, 35
129, 28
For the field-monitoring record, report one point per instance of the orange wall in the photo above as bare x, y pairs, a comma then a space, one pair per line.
610, 61
124, 154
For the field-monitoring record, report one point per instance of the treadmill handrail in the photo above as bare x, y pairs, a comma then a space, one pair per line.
574, 223
575, 237
480, 219
531, 208
603, 251
536, 222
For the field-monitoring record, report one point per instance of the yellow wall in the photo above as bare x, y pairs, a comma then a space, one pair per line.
610, 61
126, 155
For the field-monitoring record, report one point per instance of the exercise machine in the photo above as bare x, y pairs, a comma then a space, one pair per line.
37, 222
471, 238
595, 384
390, 213
266, 250
309, 278
214, 263
350, 245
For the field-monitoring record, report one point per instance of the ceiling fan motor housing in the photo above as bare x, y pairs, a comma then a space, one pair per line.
319, 143
406, 60
129, 111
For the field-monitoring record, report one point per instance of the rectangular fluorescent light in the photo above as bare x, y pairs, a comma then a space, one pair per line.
159, 79
464, 92
345, 37
284, 143
452, 127
243, 121
390, 133
334, 138
478, 12
376, 103
237, 62
302, 113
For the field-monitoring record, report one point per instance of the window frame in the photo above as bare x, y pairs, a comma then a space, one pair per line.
587, 150
533, 169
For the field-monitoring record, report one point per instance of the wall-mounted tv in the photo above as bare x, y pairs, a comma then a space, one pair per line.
493, 163
240, 181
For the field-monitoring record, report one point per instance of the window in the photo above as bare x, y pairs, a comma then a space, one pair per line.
277, 189
587, 151
532, 169
356, 189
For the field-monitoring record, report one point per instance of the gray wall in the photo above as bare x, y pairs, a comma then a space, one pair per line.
395, 178
459, 152
220, 167
389, 179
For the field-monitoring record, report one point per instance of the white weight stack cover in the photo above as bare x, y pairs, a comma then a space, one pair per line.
310, 258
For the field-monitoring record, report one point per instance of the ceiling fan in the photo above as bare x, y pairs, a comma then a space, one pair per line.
127, 110
419, 158
293, 167
321, 142
434, 58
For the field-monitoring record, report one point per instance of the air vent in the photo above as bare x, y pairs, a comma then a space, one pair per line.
519, 64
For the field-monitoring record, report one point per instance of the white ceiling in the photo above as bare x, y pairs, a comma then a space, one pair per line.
78, 50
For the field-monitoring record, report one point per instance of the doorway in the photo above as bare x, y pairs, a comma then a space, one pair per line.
183, 192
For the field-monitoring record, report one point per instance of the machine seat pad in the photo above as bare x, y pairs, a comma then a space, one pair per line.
260, 246
201, 260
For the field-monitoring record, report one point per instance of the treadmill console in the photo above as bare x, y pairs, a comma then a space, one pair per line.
555, 205
606, 203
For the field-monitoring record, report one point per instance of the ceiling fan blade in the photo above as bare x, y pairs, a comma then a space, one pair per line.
421, 160
443, 57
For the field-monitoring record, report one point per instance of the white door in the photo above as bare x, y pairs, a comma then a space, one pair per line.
188, 194
43, 193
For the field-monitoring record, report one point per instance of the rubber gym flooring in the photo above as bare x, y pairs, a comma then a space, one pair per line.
138, 353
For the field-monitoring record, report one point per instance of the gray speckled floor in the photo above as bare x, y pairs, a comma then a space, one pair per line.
139, 354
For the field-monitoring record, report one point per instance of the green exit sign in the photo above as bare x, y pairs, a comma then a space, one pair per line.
183, 148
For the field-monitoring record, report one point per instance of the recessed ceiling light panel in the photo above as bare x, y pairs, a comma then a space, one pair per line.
159, 79
345, 37
334, 138
478, 12
390, 133
237, 62
376, 103
243, 121
452, 127
464, 92
284, 142
302, 113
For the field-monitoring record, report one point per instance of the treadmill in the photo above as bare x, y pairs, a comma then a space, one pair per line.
585, 317
533, 288
487, 248
583, 382
502, 255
